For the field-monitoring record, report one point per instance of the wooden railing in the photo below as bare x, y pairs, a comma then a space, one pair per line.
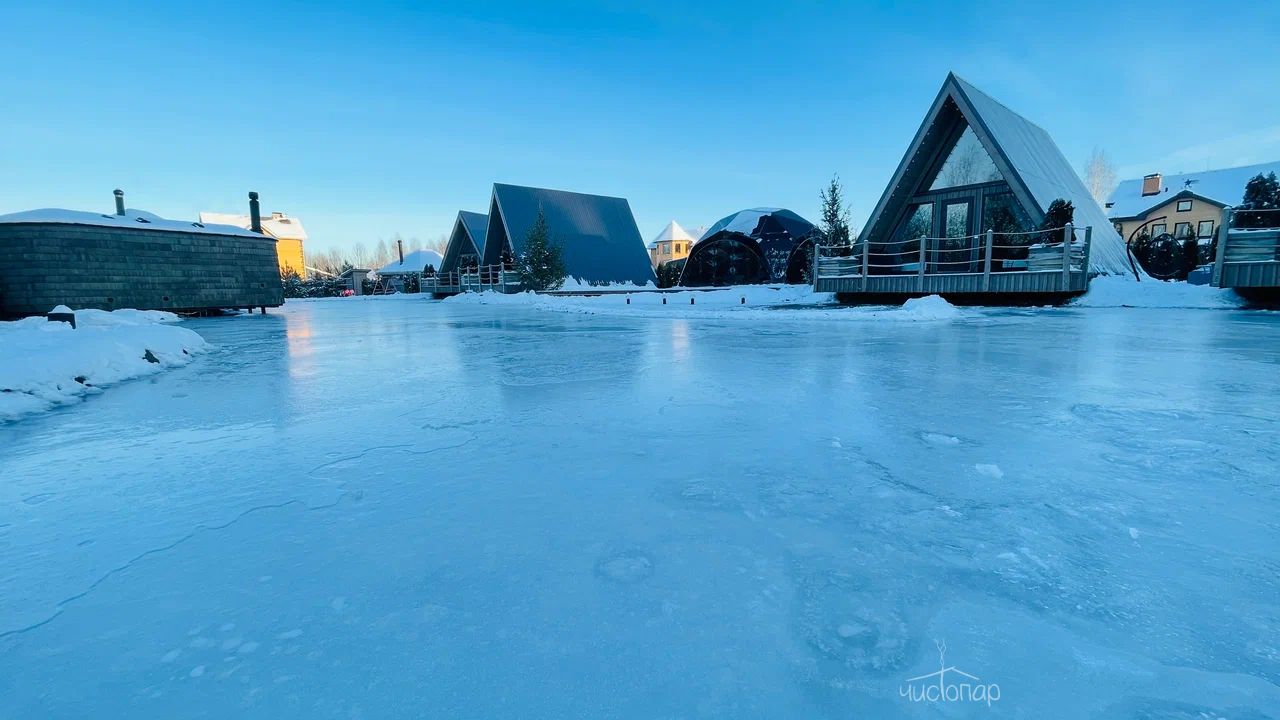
979, 257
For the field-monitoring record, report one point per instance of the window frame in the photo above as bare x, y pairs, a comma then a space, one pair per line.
1177, 225
1188, 202
1164, 228
1200, 226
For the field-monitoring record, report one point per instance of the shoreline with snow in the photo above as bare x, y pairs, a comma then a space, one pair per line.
44, 365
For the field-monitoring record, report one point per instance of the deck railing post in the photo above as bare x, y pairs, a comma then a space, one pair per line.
1224, 231
1067, 233
1084, 260
986, 261
924, 245
866, 262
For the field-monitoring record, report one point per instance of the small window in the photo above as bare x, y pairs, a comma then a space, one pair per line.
1158, 230
1206, 228
1182, 230
1184, 205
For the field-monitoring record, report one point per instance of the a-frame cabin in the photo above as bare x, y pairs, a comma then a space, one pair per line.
962, 214
461, 254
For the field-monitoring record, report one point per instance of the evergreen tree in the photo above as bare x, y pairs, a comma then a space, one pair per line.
540, 266
835, 216
1060, 213
1262, 192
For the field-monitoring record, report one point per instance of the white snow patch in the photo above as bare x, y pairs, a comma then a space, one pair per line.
932, 307
776, 303
940, 438
989, 470
1119, 291
45, 364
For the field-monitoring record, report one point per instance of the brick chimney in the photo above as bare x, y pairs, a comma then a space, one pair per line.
1151, 184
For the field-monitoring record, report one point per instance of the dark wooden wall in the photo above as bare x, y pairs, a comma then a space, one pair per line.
84, 266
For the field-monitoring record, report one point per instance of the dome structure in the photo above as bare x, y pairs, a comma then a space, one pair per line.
758, 245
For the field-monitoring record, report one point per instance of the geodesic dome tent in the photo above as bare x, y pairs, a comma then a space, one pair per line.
752, 246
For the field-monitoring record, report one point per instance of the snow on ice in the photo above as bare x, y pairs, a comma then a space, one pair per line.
45, 364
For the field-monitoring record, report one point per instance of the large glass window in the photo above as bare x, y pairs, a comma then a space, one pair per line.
1159, 229
1182, 230
903, 251
968, 163
1206, 228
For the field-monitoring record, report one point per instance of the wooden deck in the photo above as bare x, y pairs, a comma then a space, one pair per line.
1048, 272
1247, 259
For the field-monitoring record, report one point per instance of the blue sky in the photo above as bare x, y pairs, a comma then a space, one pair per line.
372, 119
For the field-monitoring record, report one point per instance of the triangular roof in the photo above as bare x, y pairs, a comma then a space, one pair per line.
671, 232
1223, 187
1027, 158
598, 237
467, 237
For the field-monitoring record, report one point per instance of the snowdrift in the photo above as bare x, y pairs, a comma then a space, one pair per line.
770, 303
46, 364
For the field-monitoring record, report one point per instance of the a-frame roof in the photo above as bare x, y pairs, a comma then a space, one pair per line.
598, 238
1027, 158
467, 237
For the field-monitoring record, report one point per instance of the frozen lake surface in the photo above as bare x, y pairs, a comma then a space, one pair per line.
411, 509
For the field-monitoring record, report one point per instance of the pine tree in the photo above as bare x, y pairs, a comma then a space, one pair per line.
1060, 213
835, 216
540, 267
1262, 192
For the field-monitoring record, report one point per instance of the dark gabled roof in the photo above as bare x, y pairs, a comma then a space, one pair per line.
467, 236
1027, 158
1223, 187
476, 225
598, 237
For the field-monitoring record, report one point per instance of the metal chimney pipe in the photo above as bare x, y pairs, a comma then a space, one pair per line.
400, 249
119, 201
255, 213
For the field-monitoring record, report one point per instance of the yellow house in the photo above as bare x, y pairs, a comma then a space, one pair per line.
288, 232
673, 243
1186, 205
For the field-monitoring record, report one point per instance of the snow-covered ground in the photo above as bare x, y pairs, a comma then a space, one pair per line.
408, 508
45, 364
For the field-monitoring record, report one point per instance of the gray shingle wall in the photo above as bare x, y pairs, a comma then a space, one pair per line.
46, 264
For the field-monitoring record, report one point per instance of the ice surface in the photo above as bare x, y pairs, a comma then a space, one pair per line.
406, 508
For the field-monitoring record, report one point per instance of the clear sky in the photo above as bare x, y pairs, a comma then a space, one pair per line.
368, 119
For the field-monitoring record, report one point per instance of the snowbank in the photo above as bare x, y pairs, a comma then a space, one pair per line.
781, 302
1119, 291
45, 364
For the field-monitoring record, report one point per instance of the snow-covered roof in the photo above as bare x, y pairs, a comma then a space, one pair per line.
1224, 186
416, 261
672, 232
1036, 170
748, 221
136, 219
277, 225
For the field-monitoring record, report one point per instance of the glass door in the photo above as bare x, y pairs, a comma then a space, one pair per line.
955, 250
